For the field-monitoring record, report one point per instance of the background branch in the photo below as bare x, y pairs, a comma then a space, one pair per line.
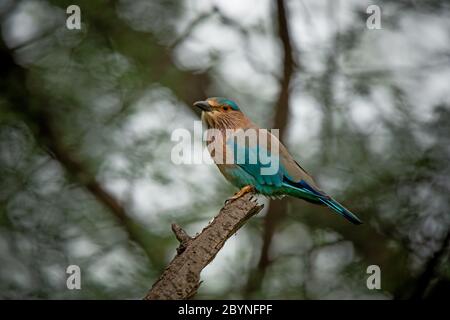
277, 209
424, 280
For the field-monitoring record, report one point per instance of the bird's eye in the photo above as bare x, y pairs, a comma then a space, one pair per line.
225, 108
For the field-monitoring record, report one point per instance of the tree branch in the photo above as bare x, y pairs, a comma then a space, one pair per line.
181, 278
423, 282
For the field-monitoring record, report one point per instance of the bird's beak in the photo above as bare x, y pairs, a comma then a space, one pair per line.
203, 105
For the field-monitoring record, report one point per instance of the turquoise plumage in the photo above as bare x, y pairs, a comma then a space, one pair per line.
246, 170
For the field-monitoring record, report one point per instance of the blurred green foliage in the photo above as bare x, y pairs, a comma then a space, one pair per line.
86, 116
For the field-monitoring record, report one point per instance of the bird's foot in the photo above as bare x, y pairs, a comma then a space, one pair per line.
240, 193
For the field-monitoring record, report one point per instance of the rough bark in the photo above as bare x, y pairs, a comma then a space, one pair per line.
181, 278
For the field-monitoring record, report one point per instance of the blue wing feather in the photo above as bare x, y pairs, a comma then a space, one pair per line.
246, 159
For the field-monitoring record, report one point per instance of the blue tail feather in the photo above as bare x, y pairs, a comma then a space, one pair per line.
304, 191
338, 208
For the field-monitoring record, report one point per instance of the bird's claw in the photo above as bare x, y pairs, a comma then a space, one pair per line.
239, 194
231, 199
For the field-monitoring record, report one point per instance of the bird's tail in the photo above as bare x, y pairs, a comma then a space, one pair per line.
338, 208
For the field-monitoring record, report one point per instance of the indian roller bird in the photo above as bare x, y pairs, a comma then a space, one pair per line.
288, 178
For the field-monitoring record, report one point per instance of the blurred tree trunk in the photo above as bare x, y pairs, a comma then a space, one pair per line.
277, 208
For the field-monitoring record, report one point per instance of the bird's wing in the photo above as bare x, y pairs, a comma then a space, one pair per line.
289, 171
246, 155
299, 180
290, 178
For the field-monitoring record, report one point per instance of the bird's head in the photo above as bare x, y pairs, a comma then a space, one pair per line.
220, 112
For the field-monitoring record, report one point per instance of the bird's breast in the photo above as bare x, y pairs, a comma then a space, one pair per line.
221, 151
